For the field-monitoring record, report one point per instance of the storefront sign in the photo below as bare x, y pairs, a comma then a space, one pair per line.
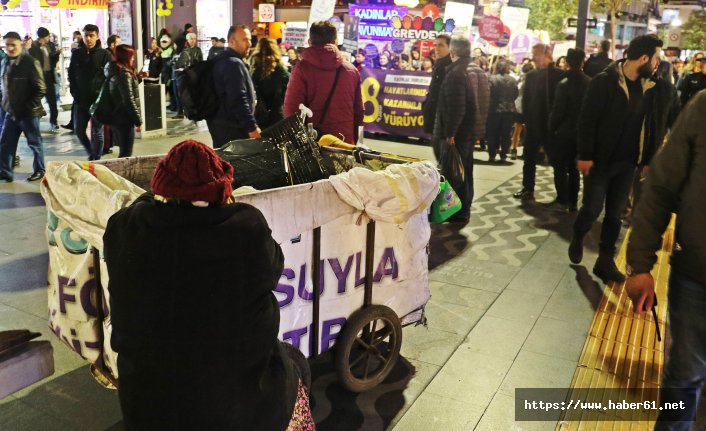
75, 4
267, 12
490, 28
296, 37
393, 101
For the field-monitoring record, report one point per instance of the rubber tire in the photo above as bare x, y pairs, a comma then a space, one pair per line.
344, 343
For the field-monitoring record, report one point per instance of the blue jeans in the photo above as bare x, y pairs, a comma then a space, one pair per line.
609, 186
94, 146
11, 131
685, 371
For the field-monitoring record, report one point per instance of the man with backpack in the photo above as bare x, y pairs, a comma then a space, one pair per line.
234, 118
327, 85
86, 77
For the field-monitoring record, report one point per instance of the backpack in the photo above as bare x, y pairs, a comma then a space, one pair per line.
197, 91
103, 109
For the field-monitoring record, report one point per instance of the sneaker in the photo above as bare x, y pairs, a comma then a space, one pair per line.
606, 270
6, 177
69, 126
17, 161
524, 194
36, 176
54, 128
576, 249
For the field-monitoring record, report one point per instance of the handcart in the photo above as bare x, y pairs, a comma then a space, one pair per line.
332, 248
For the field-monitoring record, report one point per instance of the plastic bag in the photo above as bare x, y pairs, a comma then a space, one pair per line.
452, 166
446, 204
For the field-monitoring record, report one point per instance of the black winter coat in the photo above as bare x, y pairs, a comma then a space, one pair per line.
235, 91
503, 92
25, 87
124, 92
692, 84
438, 73
36, 51
564, 118
270, 92
195, 320
537, 101
676, 183
86, 73
596, 64
463, 102
604, 112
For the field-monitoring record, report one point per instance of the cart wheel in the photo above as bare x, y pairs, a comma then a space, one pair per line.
368, 347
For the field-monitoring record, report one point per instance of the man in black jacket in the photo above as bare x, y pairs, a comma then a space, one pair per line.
624, 118
562, 124
47, 55
537, 100
461, 117
438, 73
22, 91
86, 77
676, 184
235, 118
598, 62
693, 83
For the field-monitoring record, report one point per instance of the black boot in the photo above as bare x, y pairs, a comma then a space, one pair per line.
576, 249
606, 270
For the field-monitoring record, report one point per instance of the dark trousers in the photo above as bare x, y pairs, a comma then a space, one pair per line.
685, 370
223, 132
93, 146
51, 97
11, 131
464, 190
498, 132
609, 186
124, 137
530, 154
567, 180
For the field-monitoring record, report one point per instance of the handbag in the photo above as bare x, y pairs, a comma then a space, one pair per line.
446, 203
104, 107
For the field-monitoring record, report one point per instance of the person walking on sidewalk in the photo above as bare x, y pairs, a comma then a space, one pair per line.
122, 84
537, 101
624, 118
235, 118
676, 184
597, 63
461, 117
563, 125
327, 85
22, 82
86, 76
501, 114
47, 55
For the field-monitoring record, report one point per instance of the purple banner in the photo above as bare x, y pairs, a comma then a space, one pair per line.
393, 101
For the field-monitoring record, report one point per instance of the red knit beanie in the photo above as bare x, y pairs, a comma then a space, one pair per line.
192, 171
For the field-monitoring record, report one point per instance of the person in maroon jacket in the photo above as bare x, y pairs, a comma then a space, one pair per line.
327, 85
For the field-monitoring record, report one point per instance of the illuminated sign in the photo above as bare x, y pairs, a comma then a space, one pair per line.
369, 13
75, 4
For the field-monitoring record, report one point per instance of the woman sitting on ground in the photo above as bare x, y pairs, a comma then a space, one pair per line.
194, 318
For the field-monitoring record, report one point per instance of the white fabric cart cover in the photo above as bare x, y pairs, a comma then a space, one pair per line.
81, 197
